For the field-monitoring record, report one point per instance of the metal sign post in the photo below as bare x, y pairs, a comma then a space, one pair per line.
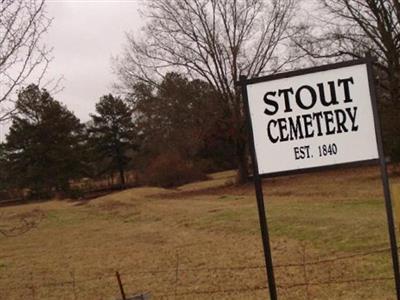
260, 200
312, 119
385, 180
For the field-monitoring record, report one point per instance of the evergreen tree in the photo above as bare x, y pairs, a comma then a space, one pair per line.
112, 134
45, 144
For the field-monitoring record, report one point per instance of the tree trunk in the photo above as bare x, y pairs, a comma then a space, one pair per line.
122, 177
120, 164
242, 162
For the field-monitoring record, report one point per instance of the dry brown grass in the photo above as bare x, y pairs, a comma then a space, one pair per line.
209, 232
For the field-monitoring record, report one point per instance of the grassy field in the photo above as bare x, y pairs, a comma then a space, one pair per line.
202, 241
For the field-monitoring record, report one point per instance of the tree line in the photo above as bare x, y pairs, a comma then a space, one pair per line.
178, 113
217, 41
169, 135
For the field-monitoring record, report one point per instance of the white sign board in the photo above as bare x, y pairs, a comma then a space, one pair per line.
313, 120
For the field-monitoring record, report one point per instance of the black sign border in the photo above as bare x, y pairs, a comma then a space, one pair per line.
363, 61
368, 61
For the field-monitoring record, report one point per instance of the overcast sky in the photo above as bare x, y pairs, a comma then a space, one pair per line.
85, 35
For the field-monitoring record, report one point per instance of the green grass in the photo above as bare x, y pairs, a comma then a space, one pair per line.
232, 221
207, 225
64, 218
344, 226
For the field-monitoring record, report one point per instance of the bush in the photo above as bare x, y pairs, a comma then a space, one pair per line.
170, 169
40, 194
75, 193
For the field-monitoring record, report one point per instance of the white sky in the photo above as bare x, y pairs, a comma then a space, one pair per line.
85, 35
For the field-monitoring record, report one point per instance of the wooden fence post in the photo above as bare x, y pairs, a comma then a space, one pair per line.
396, 203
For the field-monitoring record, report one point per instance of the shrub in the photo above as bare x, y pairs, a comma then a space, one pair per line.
170, 169
75, 193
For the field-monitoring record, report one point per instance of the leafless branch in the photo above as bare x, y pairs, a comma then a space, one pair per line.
213, 40
350, 28
23, 56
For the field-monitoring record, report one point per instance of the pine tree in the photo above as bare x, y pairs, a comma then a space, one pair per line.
112, 134
45, 144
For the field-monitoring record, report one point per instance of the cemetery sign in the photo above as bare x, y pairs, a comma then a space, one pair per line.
314, 119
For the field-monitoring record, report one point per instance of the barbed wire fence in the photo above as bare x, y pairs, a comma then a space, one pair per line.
79, 288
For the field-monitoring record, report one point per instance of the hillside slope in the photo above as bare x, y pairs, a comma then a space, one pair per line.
202, 241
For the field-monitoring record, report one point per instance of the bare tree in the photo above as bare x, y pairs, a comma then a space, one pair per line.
22, 55
350, 28
215, 40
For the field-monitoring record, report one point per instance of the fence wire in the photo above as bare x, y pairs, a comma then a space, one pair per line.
75, 288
